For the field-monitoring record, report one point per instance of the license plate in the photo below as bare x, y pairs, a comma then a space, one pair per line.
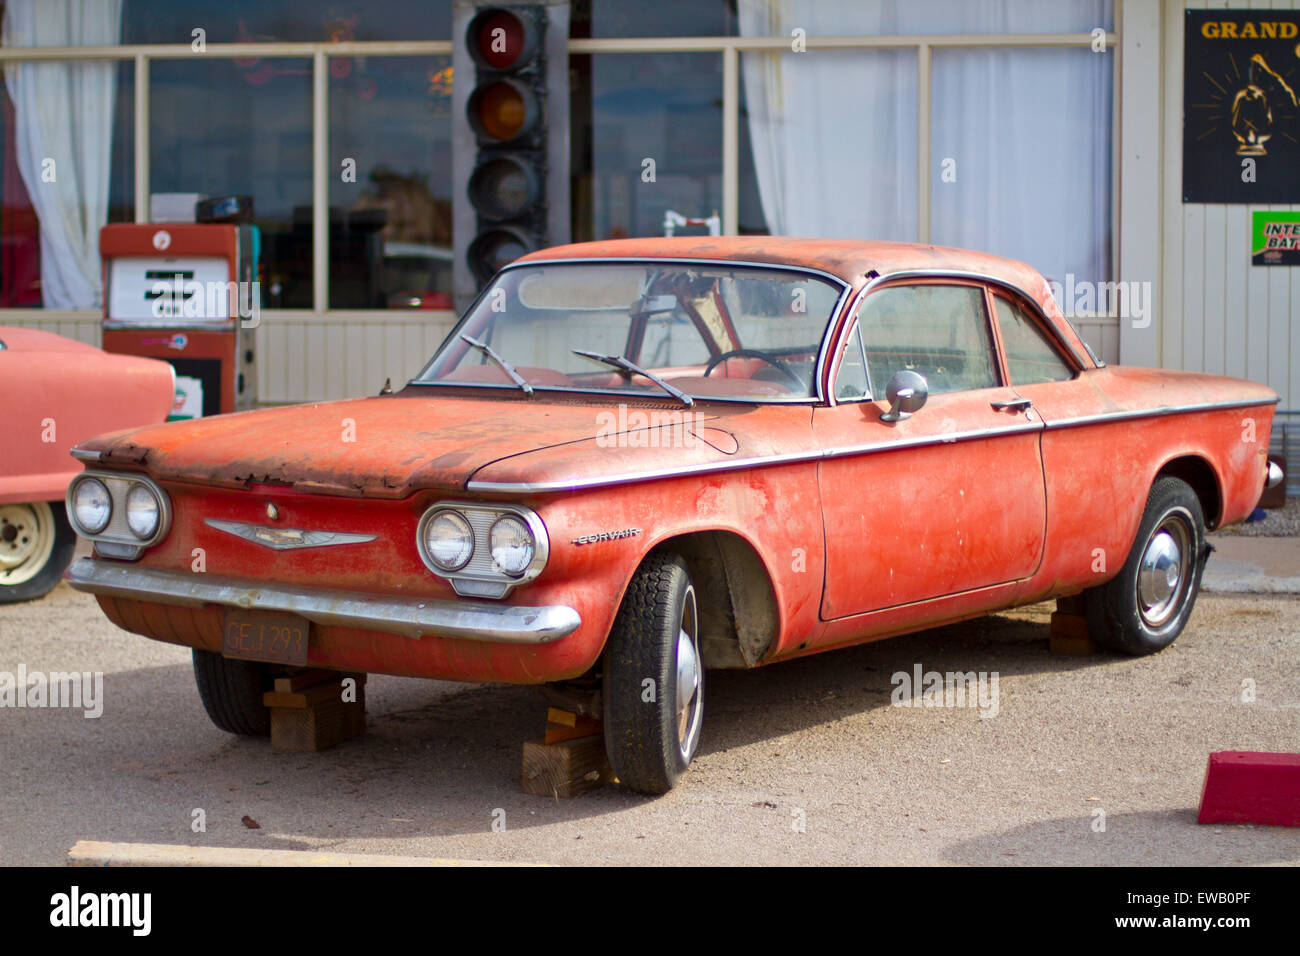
270, 636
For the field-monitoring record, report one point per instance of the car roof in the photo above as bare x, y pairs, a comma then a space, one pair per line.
851, 260
848, 259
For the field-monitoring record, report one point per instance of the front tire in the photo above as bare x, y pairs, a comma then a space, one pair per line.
36, 545
1146, 606
653, 678
231, 691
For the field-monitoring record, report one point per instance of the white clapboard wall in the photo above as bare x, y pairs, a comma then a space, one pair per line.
1217, 313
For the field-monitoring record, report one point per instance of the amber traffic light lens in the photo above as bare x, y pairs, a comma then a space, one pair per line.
500, 39
502, 111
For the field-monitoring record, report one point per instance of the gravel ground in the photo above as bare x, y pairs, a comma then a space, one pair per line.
1280, 523
1095, 760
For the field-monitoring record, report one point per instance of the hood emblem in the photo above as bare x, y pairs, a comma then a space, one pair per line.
285, 539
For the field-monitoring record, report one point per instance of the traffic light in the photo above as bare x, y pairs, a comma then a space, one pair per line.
511, 156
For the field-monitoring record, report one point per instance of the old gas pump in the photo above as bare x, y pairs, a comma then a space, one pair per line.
186, 293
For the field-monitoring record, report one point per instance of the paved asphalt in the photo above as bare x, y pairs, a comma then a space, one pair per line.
814, 741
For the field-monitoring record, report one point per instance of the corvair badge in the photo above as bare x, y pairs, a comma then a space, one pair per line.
284, 539
607, 536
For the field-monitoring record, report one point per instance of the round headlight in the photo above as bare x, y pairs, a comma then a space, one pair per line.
512, 545
449, 540
91, 506
142, 511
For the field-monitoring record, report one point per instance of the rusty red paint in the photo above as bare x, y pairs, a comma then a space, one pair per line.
831, 510
57, 392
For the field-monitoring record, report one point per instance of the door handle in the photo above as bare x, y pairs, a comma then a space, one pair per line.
1012, 404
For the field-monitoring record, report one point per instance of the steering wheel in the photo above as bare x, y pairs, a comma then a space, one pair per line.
755, 353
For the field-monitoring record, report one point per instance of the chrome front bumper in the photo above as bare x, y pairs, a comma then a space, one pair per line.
410, 617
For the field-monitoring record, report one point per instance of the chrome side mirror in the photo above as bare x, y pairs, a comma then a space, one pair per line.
906, 392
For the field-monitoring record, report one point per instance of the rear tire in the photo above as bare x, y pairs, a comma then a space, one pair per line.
1146, 606
231, 691
36, 545
653, 678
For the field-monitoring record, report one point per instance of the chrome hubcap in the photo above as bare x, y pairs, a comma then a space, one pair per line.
26, 541
690, 680
1165, 571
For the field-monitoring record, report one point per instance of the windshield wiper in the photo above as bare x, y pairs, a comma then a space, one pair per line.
505, 366
617, 361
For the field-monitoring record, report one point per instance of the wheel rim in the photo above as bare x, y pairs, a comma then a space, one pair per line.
1165, 571
26, 541
690, 679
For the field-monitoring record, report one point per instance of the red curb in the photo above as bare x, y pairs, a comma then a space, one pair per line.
1246, 787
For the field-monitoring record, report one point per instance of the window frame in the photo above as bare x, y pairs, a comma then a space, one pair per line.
912, 280
1034, 315
318, 54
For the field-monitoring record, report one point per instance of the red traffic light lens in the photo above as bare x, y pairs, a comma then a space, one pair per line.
502, 110
503, 187
499, 39
502, 40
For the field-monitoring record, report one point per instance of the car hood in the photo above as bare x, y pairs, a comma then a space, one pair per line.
387, 446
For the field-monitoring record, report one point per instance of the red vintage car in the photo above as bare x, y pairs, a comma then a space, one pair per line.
634, 460
55, 392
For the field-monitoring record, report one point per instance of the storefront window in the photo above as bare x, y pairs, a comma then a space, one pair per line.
647, 138
1019, 138
827, 164
253, 21
660, 18
1020, 148
242, 127
66, 168
390, 182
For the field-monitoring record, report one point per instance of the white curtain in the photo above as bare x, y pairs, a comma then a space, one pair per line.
1029, 131
63, 112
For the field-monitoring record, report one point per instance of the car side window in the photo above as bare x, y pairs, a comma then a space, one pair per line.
851, 379
1031, 357
940, 331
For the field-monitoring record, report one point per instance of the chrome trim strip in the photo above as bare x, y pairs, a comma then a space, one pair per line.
820, 454
1157, 412
83, 454
410, 617
524, 488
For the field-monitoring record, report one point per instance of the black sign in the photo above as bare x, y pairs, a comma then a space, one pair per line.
1241, 118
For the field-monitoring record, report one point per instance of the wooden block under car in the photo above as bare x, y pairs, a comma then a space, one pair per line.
1069, 629
567, 768
306, 718
566, 725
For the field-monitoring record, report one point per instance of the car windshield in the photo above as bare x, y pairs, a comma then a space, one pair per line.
706, 331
